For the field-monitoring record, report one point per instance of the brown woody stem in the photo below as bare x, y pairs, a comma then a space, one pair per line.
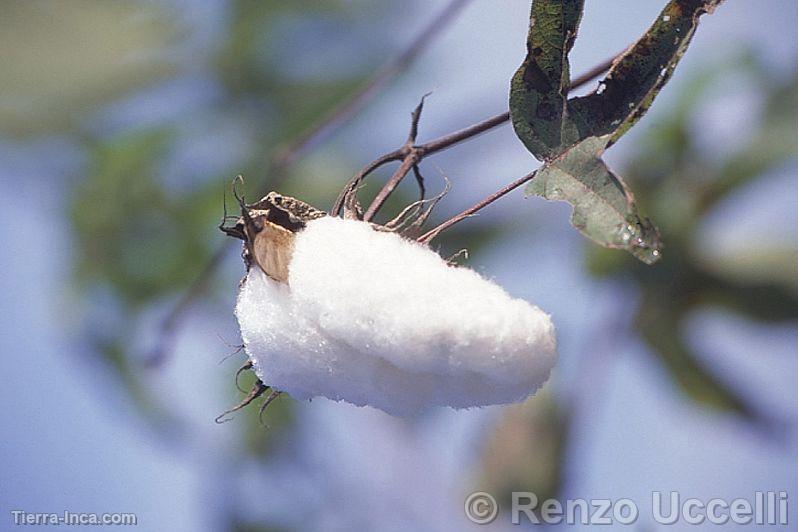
411, 155
432, 233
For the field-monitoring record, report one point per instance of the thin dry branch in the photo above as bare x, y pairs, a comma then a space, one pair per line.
446, 142
412, 155
432, 233
410, 161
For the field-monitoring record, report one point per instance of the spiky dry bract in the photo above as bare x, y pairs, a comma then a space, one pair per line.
374, 319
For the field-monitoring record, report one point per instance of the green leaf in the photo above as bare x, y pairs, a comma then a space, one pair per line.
569, 135
547, 122
636, 78
604, 208
539, 89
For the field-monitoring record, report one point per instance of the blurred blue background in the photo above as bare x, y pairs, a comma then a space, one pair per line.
121, 126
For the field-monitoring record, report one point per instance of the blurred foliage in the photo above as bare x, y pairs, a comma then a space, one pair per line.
60, 60
680, 184
144, 226
254, 74
133, 234
525, 449
145, 214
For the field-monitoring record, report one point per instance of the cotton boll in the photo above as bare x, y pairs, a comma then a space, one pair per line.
374, 319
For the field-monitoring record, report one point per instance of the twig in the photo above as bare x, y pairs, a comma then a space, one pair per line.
412, 155
445, 142
420, 152
272, 396
257, 390
354, 182
432, 233
408, 163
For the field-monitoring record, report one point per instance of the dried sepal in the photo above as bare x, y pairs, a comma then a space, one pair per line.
267, 228
257, 390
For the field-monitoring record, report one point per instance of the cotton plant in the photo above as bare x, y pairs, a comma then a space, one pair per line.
353, 311
336, 305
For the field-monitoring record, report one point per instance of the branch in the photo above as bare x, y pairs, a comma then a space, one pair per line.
445, 142
429, 235
412, 155
409, 162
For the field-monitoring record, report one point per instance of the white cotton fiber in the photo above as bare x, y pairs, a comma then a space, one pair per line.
374, 319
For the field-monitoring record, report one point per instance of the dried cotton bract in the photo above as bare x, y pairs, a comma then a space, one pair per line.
372, 318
